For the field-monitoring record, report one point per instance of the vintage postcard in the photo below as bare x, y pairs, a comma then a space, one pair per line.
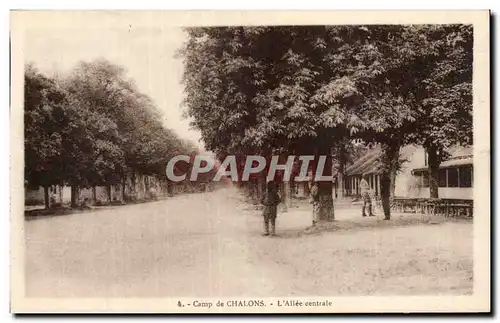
250, 162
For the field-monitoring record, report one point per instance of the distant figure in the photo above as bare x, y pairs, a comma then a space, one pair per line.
314, 200
152, 193
270, 200
53, 199
414, 187
365, 194
85, 203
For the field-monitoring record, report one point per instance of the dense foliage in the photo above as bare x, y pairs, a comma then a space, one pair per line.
93, 128
305, 89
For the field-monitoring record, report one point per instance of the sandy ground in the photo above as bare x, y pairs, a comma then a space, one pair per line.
210, 244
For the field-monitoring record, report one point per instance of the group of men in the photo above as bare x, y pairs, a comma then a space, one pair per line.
271, 199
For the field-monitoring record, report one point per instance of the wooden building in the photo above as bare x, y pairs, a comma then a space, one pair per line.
455, 174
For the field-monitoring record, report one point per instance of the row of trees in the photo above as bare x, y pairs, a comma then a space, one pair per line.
312, 89
93, 127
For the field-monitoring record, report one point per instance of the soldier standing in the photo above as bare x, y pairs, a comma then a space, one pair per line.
152, 193
365, 194
270, 200
314, 200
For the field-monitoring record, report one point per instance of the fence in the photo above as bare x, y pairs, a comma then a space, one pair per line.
434, 206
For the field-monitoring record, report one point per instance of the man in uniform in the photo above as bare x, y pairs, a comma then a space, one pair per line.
365, 194
314, 189
270, 200
152, 193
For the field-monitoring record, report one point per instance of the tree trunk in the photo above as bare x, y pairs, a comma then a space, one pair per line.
307, 191
108, 189
433, 162
261, 185
325, 211
46, 197
287, 197
393, 184
291, 186
133, 183
246, 189
94, 194
325, 207
394, 172
170, 188
385, 183
60, 194
73, 196
340, 185
387, 177
340, 174
124, 182
283, 191
254, 191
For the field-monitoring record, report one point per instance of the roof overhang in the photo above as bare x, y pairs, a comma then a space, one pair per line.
448, 164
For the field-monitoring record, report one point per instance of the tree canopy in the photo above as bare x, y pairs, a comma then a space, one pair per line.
93, 127
303, 89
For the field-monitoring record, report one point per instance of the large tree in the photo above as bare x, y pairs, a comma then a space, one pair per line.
93, 128
45, 119
415, 84
304, 89
445, 118
130, 137
269, 87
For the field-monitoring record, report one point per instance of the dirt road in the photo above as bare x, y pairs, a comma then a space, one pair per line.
210, 244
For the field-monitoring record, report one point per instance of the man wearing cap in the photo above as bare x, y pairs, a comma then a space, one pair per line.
365, 194
270, 200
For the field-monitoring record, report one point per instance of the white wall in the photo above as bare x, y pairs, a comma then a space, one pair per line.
66, 194
406, 183
101, 193
34, 196
450, 192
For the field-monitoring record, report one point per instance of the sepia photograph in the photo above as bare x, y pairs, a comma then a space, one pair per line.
250, 162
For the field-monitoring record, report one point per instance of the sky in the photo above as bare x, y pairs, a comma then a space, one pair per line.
147, 54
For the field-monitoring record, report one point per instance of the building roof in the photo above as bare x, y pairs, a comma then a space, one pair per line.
367, 164
459, 156
370, 162
460, 152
